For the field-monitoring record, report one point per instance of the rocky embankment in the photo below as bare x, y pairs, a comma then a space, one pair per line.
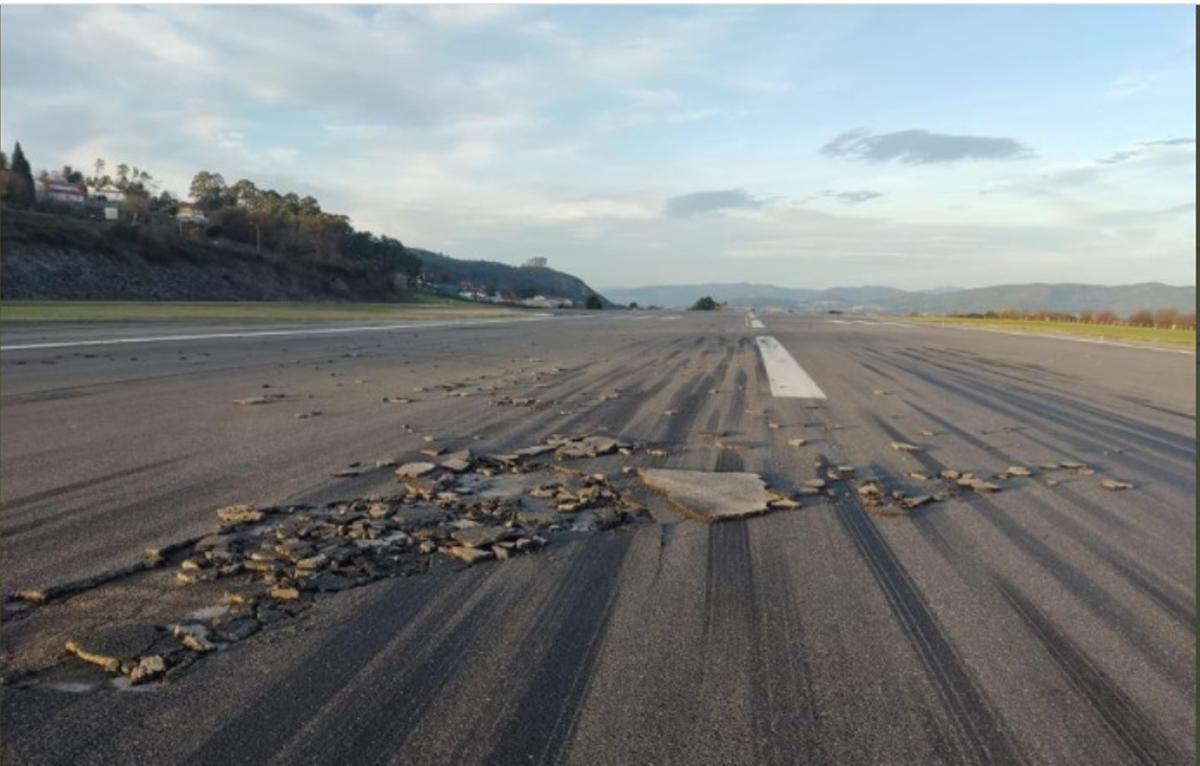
47, 272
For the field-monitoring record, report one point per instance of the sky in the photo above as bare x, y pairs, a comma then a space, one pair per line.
816, 146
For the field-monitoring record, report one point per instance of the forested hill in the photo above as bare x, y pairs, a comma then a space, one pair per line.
493, 277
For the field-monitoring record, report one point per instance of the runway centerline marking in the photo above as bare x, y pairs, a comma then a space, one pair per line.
788, 378
269, 333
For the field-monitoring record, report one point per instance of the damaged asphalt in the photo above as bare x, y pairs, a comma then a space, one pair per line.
974, 550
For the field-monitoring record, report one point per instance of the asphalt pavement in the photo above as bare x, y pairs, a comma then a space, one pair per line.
1052, 621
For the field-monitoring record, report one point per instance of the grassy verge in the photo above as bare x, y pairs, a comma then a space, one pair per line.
426, 307
1153, 335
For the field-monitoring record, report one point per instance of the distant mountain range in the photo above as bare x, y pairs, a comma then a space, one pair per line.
1122, 299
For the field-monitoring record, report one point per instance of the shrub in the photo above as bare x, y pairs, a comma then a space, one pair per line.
1142, 318
1165, 318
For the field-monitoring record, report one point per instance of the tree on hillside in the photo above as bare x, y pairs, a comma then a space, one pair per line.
593, 302
705, 304
71, 175
244, 193
20, 180
208, 190
166, 202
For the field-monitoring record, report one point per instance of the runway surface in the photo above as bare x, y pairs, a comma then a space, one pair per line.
1048, 622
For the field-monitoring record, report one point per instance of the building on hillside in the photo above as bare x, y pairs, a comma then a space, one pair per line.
542, 302
189, 213
107, 192
535, 263
63, 192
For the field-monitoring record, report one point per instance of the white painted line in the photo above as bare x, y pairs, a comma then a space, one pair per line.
788, 378
757, 324
269, 333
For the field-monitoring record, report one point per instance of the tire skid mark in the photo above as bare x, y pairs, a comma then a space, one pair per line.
782, 697
12, 507
729, 461
1112, 519
1136, 731
375, 736
1065, 411
330, 668
543, 725
1021, 414
689, 401
732, 624
1064, 399
1083, 588
1030, 415
980, 733
1144, 580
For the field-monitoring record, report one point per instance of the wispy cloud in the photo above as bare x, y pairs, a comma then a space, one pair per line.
1149, 150
920, 147
857, 197
700, 203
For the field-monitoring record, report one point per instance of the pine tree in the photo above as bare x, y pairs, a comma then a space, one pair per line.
20, 191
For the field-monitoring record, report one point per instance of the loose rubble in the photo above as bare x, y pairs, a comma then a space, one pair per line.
275, 562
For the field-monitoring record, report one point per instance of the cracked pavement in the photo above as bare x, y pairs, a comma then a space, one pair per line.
903, 612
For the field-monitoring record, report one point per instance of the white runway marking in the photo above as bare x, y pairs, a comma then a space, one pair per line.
757, 324
788, 378
266, 333
872, 322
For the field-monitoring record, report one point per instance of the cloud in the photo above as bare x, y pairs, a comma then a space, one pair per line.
1157, 156
699, 203
920, 147
1147, 149
857, 197
467, 15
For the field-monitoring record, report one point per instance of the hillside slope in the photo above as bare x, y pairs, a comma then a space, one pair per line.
492, 277
50, 257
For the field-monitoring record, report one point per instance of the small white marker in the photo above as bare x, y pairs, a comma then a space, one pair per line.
788, 378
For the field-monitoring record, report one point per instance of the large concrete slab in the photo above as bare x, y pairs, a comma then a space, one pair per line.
709, 496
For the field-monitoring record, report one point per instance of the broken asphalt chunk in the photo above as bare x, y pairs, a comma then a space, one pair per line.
709, 496
413, 470
239, 514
